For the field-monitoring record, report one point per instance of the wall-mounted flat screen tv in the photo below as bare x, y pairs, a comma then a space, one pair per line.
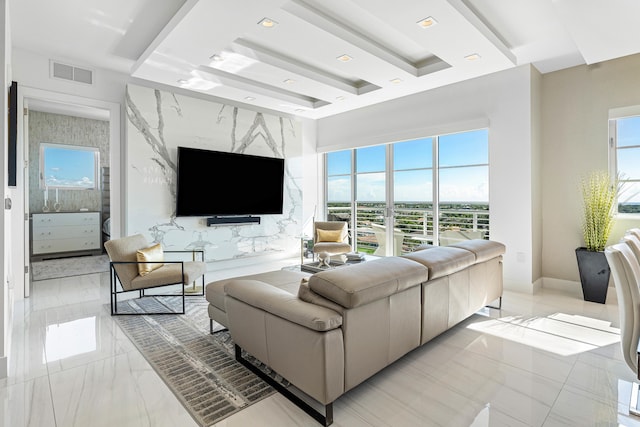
216, 183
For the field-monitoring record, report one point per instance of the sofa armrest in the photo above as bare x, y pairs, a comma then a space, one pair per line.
283, 304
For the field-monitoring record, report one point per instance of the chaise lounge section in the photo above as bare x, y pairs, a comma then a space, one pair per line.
345, 325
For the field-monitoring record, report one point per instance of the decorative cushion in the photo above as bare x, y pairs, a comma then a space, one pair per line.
306, 294
146, 256
329, 235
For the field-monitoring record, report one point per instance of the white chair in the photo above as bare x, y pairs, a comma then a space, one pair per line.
634, 243
625, 270
380, 232
634, 231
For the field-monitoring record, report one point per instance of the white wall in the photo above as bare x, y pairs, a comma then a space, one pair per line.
536, 167
5, 215
575, 110
32, 73
503, 102
311, 162
192, 122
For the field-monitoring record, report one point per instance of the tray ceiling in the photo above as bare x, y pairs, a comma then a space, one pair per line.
322, 57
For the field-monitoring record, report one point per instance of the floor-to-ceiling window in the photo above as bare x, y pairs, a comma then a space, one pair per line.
413, 193
463, 196
397, 196
339, 180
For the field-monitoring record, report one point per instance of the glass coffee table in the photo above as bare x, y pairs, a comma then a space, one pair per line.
336, 262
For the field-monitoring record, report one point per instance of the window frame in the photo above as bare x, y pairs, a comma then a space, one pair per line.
616, 115
435, 168
41, 168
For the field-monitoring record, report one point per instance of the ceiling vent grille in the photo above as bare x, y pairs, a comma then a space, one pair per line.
69, 72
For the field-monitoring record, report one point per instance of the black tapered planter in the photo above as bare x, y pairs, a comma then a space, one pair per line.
594, 274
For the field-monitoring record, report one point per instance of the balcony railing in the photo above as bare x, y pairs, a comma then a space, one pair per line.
413, 224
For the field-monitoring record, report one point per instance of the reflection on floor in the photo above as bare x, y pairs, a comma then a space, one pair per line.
548, 359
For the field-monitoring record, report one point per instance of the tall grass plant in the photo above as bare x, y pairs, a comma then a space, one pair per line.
599, 193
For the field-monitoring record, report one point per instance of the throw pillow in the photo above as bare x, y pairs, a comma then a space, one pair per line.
307, 295
329, 235
146, 255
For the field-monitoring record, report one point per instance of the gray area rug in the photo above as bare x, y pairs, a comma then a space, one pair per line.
65, 267
198, 367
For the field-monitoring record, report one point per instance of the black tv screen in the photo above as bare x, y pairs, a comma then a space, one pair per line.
213, 183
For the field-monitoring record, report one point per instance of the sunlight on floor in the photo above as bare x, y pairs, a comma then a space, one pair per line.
558, 333
68, 339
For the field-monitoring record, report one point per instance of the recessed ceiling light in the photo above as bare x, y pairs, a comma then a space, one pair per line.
344, 58
396, 81
427, 22
216, 57
472, 57
267, 23
249, 98
183, 81
289, 81
340, 98
300, 110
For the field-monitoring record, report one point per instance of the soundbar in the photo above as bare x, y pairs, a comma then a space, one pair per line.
216, 220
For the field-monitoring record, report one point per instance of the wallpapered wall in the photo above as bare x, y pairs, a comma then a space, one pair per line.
160, 121
62, 129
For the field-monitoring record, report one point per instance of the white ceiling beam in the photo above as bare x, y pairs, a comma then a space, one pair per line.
252, 50
481, 27
166, 31
320, 20
229, 79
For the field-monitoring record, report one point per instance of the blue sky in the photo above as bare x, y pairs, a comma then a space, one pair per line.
69, 167
629, 136
413, 161
628, 157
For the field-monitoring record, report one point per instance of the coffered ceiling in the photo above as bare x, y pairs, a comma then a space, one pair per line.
315, 58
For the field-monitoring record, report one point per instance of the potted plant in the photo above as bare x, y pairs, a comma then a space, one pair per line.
599, 193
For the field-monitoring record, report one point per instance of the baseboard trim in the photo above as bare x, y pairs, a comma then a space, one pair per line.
560, 284
4, 367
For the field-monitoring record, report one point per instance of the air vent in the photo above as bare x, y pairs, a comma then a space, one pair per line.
69, 72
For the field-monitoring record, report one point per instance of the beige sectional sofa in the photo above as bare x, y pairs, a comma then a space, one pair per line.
346, 324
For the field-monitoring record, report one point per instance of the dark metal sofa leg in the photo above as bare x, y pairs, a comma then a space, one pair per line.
325, 420
499, 306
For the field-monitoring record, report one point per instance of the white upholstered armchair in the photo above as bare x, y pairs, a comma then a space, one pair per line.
331, 237
137, 266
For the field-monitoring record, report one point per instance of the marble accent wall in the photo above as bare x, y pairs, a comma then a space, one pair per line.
69, 130
160, 121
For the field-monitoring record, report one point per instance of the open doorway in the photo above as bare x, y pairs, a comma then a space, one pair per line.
87, 128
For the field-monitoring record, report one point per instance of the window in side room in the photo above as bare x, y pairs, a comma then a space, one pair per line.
69, 167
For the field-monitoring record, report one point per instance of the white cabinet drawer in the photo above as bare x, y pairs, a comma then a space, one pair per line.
65, 218
65, 232
65, 245
69, 232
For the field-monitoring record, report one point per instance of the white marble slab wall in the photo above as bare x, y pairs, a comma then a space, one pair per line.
160, 121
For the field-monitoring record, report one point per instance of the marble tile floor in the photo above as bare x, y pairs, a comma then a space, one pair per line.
548, 359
